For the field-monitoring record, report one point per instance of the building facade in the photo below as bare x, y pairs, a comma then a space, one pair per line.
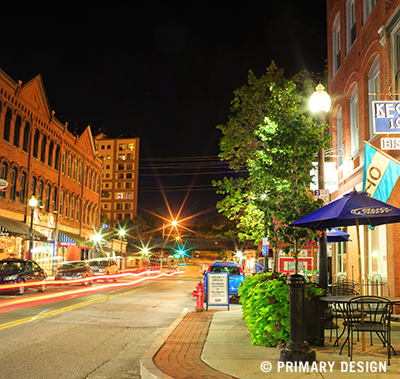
120, 175
363, 66
40, 157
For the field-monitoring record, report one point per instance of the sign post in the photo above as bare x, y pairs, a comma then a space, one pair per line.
217, 289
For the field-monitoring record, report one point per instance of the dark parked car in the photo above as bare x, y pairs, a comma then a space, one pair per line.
75, 270
104, 267
23, 273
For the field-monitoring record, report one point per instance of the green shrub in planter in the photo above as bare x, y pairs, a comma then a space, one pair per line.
265, 305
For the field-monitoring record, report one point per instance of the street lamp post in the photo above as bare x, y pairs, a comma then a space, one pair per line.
121, 235
32, 203
320, 102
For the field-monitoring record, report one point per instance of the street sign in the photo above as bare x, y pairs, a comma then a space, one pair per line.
217, 289
322, 194
265, 246
386, 116
3, 184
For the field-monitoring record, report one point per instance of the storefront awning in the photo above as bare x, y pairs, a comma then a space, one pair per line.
72, 239
15, 228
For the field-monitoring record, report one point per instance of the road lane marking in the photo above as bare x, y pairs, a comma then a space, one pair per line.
56, 312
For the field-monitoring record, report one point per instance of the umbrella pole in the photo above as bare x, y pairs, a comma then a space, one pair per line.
360, 277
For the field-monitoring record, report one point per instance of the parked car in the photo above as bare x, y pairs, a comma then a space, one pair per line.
103, 267
236, 275
22, 272
75, 270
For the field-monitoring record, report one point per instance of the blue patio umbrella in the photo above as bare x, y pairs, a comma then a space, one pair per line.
337, 235
354, 208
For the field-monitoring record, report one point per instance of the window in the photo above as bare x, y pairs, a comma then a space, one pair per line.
128, 206
128, 185
22, 192
119, 185
121, 166
336, 55
75, 168
41, 189
121, 147
88, 214
13, 184
36, 144
67, 200
368, 7
119, 195
129, 175
130, 146
120, 176
354, 126
33, 189
70, 166
55, 200
339, 128
108, 157
64, 162
48, 193
90, 179
62, 203
7, 125
128, 195
129, 157
27, 130
43, 149
129, 166
127, 216
80, 171
4, 173
86, 175
50, 157
78, 210
121, 157
17, 130
119, 216
374, 88
84, 212
103, 147
57, 158
119, 206
73, 205
351, 23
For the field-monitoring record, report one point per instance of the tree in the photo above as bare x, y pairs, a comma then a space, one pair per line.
269, 136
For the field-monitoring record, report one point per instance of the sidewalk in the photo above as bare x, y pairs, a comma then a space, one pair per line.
216, 344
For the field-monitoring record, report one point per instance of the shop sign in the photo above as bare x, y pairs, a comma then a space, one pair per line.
3, 185
386, 116
217, 289
390, 143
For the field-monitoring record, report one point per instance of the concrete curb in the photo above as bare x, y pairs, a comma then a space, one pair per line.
148, 370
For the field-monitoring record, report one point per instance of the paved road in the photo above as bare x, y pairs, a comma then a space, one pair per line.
99, 335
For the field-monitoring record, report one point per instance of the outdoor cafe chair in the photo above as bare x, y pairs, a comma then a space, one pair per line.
375, 318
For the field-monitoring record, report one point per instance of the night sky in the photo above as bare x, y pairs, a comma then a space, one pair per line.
164, 73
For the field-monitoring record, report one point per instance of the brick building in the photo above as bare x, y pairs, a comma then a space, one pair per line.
40, 157
119, 178
363, 65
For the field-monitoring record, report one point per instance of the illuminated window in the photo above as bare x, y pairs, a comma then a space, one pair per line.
130, 146
121, 147
128, 195
119, 195
121, 157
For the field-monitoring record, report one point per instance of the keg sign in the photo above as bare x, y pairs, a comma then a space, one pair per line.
217, 289
3, 185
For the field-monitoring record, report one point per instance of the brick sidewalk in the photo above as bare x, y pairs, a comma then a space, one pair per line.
180, 356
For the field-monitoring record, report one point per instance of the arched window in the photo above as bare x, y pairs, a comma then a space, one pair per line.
78, 210
41, 189
17, 130
374, 88
36, 144
70, 166
27, 130
57, 158
7, 125
67, 206
64, 162
62, 203
4, 173
50, 157
13, 184
90, 179
339, 128
55, 208
48, 195
75, 168
354, 123
33, 188
22, 191
43, 149
88, 214
73, 206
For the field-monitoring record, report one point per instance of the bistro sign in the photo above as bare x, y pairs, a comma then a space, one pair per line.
370, 211
386, 117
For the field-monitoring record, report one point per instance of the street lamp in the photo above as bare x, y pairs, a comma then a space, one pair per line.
32, 203
121, 235
320, 102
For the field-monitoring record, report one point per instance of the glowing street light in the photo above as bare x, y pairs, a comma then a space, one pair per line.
121, 233
32, 203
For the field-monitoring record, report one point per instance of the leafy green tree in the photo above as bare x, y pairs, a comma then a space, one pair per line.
269, 136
